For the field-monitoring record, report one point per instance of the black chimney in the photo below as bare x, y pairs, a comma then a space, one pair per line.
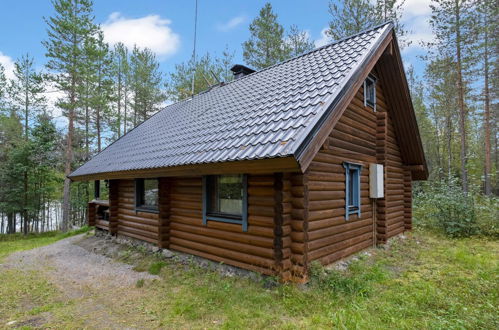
241, 71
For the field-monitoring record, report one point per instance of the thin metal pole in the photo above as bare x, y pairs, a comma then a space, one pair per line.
194, 48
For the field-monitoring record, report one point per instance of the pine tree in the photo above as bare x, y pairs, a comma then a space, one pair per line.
298, 41
3, 88
442, 97
487, 25
146, 83
266, 45
67, 31
353, 16
102, 95
121, 74
452, 21
26, 94
431, 142
209, 71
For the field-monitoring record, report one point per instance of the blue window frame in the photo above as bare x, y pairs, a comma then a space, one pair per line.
225, 199
352, 189
370, 92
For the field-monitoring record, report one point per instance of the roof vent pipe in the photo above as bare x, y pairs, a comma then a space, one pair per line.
241, 71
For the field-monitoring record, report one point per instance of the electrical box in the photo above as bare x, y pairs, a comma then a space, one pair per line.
376, 183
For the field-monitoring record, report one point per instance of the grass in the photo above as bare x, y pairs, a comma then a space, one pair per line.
18, 242
426, 282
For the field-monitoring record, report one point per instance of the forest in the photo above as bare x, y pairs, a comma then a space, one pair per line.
105, 91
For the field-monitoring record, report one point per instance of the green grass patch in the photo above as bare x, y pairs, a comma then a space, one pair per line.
10, 243
426, 281
155, 268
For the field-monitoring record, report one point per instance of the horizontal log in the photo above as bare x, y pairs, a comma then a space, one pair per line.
330, 258
230, 227
224, 253
227, 261
143, 233
141, 226
222, 243
316, 254
330, 240
140, 237
265, 242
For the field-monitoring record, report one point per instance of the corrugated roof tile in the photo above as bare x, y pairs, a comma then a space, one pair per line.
261, 115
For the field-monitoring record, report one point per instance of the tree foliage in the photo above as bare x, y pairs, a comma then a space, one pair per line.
209, 71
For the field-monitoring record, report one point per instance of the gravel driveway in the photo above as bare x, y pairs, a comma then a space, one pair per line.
65, 261
97, 282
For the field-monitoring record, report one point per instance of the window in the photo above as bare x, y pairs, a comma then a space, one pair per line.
101, 189
146, 195
352, 189
225, 199
370, 92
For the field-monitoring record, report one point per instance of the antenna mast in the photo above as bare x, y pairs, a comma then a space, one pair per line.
194, 48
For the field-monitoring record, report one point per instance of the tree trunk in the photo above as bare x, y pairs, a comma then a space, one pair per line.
69, 158
119, 97
26, 138
486, 120
11, 223
462, 110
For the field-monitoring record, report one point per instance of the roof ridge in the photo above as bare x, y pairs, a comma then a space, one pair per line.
226, 83
335, 42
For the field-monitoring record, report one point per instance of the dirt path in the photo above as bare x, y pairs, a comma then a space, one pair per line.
99, 285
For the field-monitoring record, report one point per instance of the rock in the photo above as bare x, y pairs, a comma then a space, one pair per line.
11, 322
154, 249
167, 253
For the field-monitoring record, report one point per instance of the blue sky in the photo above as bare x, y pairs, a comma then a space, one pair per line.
166, 26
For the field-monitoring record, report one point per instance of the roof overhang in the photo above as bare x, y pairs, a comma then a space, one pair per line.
259, 166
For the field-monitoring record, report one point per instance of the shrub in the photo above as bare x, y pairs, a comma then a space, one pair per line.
442, 205
487, 215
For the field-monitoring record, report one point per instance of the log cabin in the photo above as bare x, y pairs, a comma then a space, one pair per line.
310, 159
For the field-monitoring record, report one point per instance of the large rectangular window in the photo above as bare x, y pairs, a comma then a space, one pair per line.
352, 189
225, 199
101, 189
146, 195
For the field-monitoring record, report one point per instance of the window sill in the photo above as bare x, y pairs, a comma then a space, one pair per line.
146, 210
222, 218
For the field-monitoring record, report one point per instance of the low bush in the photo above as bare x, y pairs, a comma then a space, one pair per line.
443, 206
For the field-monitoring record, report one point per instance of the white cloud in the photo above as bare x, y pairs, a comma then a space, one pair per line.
417, 7
231, 24
8, 65
150, 31
324, 39
419, 31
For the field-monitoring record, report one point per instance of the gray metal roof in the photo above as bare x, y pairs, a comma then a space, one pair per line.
266, 114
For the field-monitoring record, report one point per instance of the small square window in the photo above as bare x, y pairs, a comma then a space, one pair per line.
225, 199
370, 92
352, 189
146, 195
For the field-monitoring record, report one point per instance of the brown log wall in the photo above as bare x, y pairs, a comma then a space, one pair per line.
330, 235
361, 136
140, 225
391, 214
225, 242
